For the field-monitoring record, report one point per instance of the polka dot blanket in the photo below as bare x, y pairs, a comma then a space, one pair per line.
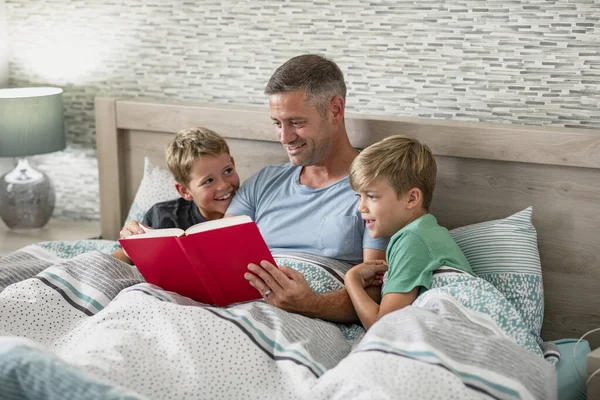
80, 324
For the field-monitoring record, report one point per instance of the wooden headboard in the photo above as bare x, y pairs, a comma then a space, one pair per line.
485, 171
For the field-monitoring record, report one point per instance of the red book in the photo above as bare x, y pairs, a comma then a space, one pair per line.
207, 262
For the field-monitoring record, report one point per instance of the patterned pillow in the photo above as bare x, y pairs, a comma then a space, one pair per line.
323, 275
71, 248
504, 252
157, 185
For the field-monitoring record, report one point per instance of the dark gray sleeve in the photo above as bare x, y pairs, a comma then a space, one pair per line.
151, 218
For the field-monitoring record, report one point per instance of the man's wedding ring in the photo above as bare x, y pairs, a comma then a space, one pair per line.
267, 293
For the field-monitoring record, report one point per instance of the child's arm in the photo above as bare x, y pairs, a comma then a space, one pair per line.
120, 254
368, 311
131, 228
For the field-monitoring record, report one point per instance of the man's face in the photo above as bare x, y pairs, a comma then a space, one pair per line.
301, 129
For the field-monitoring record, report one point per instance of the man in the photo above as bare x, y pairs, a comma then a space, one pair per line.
308, 205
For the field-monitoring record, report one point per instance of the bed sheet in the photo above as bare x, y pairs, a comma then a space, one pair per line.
73, 317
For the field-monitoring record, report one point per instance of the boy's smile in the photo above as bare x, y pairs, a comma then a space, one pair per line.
226, 197
213, 182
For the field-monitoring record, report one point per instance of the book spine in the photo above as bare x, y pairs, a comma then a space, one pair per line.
204, 274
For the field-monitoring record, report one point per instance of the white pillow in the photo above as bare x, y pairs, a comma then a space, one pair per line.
157, 185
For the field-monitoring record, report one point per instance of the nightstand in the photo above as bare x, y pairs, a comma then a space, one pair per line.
593, 365
56, 229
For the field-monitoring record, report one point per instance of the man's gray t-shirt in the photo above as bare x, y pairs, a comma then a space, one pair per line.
297, 218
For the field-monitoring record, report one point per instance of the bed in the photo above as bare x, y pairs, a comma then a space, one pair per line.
491, 180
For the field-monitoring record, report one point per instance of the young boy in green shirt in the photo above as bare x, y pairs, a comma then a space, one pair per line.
395, 179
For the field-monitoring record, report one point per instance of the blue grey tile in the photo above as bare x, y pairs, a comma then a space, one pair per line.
502, 61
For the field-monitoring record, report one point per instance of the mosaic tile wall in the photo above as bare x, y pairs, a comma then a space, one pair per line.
508, 61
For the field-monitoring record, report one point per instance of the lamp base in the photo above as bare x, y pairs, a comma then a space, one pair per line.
26, 197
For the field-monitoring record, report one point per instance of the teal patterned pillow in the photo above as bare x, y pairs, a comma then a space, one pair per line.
157, 185
504, 252
71, 248
322, 275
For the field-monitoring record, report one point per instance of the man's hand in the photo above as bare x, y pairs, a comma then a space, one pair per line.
369, 273
282, 287
132, 228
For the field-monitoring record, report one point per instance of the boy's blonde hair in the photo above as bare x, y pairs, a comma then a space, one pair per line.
188, 145
401, 162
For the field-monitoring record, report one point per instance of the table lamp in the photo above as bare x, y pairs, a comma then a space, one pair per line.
31, 122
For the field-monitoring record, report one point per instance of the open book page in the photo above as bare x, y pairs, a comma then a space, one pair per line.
217, 224
148, 233
201, 227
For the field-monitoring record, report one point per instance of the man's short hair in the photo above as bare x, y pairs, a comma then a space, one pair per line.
188, 145
401, 162
321, 79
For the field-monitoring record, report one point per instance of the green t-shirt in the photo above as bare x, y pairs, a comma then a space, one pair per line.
418, 249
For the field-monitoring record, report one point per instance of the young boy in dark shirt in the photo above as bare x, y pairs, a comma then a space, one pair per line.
205, 177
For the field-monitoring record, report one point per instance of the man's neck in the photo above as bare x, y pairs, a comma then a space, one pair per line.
335, 167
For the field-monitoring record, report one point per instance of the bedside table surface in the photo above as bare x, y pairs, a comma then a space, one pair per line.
56, 229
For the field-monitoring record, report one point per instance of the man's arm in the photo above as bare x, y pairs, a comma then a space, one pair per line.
287, 289
374, 292
337, 306
373, 254
291, 292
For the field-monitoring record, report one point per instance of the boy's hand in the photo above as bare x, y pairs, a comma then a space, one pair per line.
369, 273
132, 228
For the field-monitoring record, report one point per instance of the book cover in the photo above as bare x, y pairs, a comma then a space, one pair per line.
206, 263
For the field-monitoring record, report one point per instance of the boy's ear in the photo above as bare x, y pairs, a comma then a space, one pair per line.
414, 198
183, 191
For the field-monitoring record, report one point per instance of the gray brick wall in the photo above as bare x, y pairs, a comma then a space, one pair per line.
515, 61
